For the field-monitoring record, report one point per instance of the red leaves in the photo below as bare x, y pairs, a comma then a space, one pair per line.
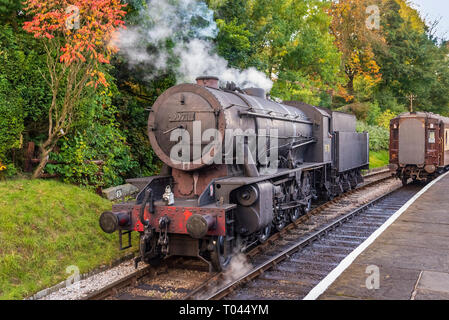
87, 27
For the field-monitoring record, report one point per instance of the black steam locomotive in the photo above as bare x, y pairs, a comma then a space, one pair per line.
238, 167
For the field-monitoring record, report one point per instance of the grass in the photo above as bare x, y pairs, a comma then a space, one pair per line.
379, 159
46, 226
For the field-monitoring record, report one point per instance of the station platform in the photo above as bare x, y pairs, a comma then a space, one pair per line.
410, 257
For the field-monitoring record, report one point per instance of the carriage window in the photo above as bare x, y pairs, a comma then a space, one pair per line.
431, 136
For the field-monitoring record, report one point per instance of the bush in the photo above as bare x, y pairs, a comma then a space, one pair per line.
385, 118
374, 112
11, 122
96, 136
11, 103
2, 169
379, 137
7, 171
24, 95
387, 101
133, 121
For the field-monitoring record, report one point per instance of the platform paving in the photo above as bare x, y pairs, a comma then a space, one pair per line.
412, 255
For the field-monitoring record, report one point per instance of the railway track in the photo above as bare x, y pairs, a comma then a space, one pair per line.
181, 278
292, 267
373, 176
175, 278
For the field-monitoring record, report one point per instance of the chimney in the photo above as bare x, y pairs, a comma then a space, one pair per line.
207, 81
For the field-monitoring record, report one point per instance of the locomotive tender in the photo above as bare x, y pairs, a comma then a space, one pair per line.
419, 146
211, 209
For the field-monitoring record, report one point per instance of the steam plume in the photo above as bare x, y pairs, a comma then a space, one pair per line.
190, 26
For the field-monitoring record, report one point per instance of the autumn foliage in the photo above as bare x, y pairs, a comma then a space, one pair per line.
86, 28
355, 38
77, 36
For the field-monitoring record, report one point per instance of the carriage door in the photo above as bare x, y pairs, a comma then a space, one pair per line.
444, 159
412, 141
394, 141
433, 142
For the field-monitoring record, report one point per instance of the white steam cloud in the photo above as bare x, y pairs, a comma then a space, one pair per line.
191, 27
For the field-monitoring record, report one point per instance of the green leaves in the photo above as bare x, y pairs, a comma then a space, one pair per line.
379, 137
234, 43
23, 93
96, 137
8, 9
288, 40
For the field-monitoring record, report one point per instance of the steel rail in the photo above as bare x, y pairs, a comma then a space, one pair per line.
259, 270
129, 280
113, 288
376, 173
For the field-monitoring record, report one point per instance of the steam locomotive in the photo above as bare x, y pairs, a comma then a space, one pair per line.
237, 167
419, 146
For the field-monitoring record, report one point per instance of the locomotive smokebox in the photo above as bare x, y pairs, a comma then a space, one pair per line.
198, 226
207, 81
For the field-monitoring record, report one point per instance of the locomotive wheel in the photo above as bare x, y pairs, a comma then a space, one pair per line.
329, 196
222, 254
308, 207
341, 190
345, 184
353, 179
295, 214
404, 181
280, 225
264, 234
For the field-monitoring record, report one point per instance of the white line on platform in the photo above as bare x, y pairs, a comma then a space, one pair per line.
331, 277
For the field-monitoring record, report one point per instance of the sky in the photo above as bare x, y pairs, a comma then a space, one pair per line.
435, 9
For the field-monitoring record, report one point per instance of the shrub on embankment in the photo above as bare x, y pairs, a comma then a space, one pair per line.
379, 143
46, 226
379, 137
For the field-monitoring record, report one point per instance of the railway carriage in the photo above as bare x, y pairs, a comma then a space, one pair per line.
210, 203
419, 146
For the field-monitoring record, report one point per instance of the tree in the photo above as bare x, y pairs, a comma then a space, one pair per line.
410, 16
9, 10
233, 43
76, 37
356, 34
415, 63
289, 41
